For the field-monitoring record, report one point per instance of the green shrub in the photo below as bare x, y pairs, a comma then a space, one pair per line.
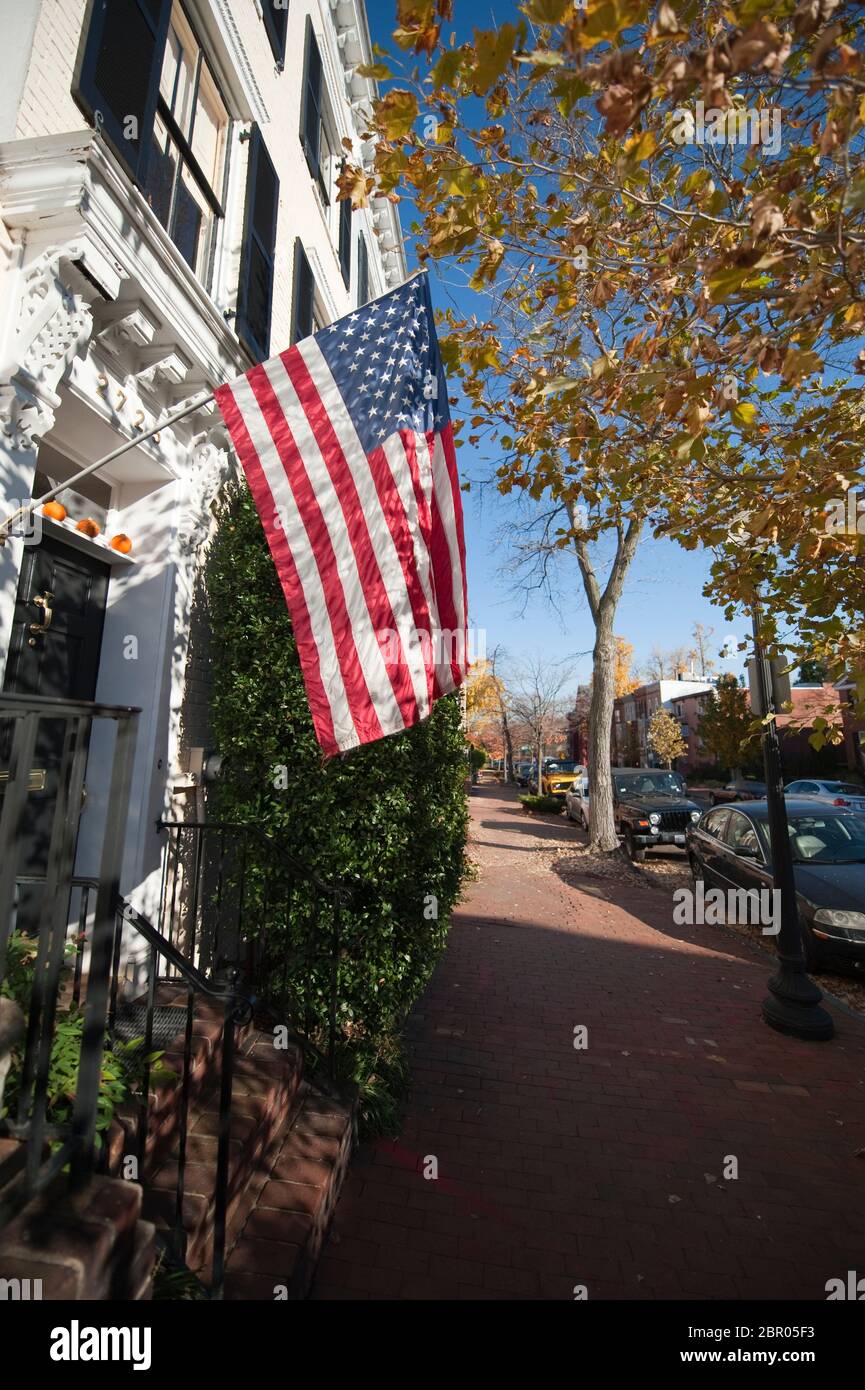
541, 803
388, 820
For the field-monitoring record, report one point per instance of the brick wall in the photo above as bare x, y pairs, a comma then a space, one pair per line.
47, 107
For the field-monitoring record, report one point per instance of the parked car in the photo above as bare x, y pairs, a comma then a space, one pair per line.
557, 777
577, 800
745, 789
730, 848
651, 807
522, 773
831, 793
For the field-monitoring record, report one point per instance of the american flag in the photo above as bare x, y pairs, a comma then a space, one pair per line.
347, 446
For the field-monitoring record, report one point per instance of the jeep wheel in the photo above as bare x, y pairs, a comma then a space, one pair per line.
635, 852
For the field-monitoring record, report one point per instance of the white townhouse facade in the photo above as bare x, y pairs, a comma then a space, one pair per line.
168, 218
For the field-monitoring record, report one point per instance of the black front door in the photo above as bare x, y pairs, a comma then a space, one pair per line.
56, 641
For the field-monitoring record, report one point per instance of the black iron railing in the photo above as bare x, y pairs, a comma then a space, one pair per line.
240, 924
234, 898
41, 849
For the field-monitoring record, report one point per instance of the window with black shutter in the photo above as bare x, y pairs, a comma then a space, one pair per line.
145, 80
303, 306
275, 14
345, 240
362, 271
255, 292
311, 119
117, 76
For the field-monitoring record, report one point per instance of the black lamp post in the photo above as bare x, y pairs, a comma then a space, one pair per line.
793, 1002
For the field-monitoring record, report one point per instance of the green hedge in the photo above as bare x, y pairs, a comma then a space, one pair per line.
389, 820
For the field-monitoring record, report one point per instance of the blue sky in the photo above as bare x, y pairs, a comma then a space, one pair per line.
663, 593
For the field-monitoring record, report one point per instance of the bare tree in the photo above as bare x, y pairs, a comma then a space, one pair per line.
701, 653
539, 702
667, 665
497, 659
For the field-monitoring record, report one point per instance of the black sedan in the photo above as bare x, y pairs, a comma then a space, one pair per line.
729, 848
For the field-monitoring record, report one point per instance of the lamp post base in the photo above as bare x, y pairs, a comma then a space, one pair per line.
792, 1006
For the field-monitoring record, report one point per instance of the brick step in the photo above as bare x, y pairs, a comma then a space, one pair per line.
280, 1238
265, 1085
165, 1093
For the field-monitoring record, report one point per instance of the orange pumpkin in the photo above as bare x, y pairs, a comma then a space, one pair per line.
55, 510
87, 526
121, 543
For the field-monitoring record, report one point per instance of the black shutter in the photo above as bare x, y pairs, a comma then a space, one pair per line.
275, 14
362, 271
118, 71
255, 291
310, 119
345, 240
302, 322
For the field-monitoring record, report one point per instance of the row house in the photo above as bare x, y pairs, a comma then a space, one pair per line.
632, 715
168, 217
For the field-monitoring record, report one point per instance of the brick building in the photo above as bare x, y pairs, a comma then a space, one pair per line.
168, 217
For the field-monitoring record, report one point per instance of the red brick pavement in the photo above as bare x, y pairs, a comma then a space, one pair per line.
603, 1167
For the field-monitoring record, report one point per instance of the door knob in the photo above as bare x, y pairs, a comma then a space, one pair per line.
44, 602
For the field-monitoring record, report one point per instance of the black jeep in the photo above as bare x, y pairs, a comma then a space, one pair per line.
651, 808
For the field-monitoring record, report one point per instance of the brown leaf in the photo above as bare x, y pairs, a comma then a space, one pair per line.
767, 219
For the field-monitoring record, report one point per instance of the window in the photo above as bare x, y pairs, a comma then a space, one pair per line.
324, 155
303, 304
740, 833
362, 271
255, 290
143, 80
715, 822
183, 182
117, 74
275, 16
345, 240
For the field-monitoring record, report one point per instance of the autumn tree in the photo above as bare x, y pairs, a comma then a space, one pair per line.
665, 737
726, 724
624, 681
673, 323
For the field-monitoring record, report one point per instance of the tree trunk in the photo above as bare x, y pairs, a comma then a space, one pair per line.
603, 605
602, 826
509, 747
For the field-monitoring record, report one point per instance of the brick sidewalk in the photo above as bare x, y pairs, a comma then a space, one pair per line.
605, 1166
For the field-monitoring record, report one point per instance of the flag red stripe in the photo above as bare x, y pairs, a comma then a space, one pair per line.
398, 525
374, 589
362, 710
409, 444
442, 571
285, 567
447, 439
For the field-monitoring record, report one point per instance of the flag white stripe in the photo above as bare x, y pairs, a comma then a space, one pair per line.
313, 590
380, 537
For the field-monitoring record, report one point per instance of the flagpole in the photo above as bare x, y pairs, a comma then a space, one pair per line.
30, 507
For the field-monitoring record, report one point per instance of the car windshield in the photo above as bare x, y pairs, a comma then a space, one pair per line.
827, 839
560, 767
649, 783
844, 789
